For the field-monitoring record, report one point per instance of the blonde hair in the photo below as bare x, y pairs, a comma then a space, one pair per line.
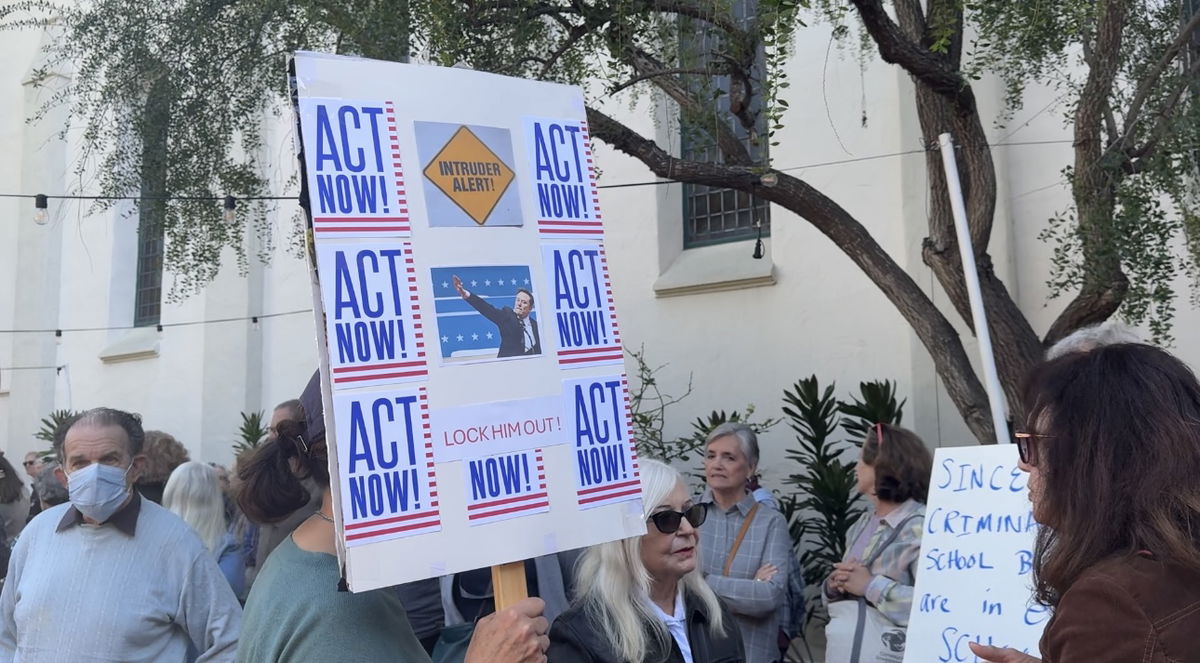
613, 582
194, 494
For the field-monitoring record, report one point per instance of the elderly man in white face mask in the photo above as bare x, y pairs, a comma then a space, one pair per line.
110, 576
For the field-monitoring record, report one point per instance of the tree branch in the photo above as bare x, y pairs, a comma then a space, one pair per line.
931, 326
933, 70
1165, 114
665, 72
577, 32
1094, 185
718, 19
1146, 84
731, 147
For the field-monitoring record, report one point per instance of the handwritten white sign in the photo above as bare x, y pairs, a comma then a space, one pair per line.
974, 580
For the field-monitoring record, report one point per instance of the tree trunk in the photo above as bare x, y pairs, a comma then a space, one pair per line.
1014, 343
932, 328
1094, 183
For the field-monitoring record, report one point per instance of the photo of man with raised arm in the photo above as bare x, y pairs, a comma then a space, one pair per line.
518, 332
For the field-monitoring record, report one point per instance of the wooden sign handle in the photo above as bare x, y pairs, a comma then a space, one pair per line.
508, 584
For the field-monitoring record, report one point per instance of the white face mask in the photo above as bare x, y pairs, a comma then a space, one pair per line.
98, 490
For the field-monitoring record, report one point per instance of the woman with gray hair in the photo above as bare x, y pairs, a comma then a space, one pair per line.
643, 600
193, 493
745, 548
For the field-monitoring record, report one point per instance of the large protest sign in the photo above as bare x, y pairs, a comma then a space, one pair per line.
514, 439
974, 581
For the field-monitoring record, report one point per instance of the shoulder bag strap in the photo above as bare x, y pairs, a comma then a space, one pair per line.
737, 543
856, 650
891, 537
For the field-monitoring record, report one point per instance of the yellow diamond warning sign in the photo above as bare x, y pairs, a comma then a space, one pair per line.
471, 174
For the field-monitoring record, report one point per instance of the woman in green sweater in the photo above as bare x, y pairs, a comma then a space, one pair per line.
295, 613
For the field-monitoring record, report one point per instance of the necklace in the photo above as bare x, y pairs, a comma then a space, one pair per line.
322, 516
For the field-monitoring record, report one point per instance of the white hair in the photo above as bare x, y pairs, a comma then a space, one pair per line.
193, 494
1086, 339
613, 583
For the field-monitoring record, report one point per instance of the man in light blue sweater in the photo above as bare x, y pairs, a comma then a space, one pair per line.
110, 576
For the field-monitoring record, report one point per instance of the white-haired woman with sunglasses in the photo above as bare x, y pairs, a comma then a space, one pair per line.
642, 600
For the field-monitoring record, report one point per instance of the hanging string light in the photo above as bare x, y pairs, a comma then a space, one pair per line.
230, 213
40, 214
759, 249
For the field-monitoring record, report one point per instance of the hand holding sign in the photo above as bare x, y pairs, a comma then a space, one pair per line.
516, 634
1001, 654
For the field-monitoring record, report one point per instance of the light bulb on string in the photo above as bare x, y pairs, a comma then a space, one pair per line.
759, 249
254, 323
40, 213
230, 213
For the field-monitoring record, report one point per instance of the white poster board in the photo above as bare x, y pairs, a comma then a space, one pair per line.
445, 204
974, 581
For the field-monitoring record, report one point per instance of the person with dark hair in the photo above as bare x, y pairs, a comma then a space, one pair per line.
112, 576
289, 410
1111, 443
744, 546
295, 612
269, 534
14, 501
163, 454
518, 332
883, 546
33, 467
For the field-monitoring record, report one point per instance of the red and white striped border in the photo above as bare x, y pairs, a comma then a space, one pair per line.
395, 527
589, 356
360, 226
611, 354
537, 502
633, 454
613, 492
624, 491
396, 225
585, 229
409, 524
391, 372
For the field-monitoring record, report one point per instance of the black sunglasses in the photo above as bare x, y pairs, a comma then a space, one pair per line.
1026, 449
668, 522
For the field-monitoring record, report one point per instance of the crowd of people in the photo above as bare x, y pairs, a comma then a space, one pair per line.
123, 549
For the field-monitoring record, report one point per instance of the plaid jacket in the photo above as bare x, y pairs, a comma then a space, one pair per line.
756, 605
895, 569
